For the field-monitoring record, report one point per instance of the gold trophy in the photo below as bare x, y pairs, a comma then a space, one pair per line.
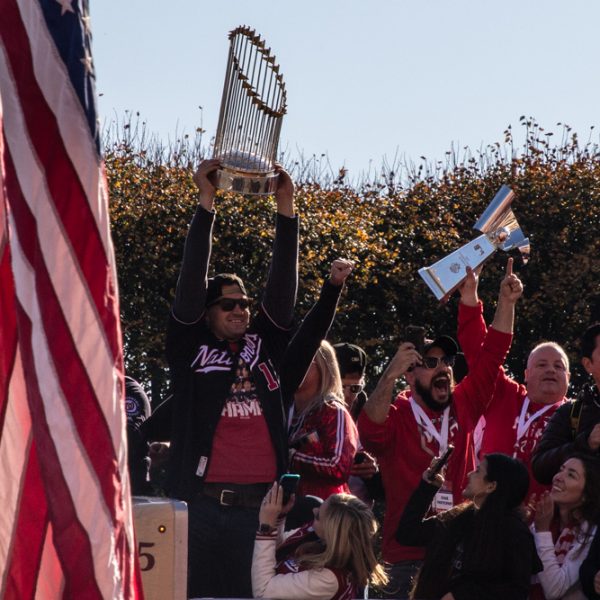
252, 108
499, 229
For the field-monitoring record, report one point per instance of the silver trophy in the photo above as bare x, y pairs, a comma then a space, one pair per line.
499, 229
252, 107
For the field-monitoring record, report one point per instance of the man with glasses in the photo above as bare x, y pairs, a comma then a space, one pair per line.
407, 431
352, 361
365, 479
575, 426
228, 440
518, 413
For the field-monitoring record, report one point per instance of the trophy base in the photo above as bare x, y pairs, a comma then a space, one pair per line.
254, 184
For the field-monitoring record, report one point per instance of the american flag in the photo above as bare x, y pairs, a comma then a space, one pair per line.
66, 527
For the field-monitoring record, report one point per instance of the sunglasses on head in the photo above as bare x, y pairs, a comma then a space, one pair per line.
228, 304
431, 362
355, 388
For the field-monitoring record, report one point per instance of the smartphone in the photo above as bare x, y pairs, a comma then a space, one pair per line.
416, 336
359, 458
442, 461
289, 483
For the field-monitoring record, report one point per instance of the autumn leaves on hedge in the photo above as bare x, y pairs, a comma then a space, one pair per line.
390, 227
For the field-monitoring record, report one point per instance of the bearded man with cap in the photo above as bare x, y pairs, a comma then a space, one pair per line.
228, 440
406, 432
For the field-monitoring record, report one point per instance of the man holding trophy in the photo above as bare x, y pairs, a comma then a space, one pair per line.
228, 435
405, 433
228, 439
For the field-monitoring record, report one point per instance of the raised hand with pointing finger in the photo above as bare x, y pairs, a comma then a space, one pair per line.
511, 289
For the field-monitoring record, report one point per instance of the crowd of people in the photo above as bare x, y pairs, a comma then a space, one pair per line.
510, 512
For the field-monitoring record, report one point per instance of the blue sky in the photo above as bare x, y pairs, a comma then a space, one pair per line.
366, 81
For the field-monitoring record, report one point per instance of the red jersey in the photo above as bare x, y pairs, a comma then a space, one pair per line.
513, 424
324, 442
404, 448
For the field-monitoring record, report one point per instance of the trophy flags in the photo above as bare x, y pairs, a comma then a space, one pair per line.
252, 108
500, 230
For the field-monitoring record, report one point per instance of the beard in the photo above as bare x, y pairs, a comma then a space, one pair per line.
427, 396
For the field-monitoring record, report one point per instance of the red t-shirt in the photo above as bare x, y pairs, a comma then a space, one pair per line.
242, 450
504, 411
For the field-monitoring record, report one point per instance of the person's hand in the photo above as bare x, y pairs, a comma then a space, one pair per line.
511, 287
597, 582
406, 357
366, 469
544, 511
340, 269
203, 180
272, 506
448, 596
284, 194
438, 478
530, 508
594, 437
158, 452
468, 288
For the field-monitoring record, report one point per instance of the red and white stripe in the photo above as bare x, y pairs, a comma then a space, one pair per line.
66, 523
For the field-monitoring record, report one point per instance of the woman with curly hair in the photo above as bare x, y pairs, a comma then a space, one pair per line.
566, 520
330, 559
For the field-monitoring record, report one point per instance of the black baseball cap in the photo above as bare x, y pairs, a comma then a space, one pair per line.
351, 358
445, 343
216, 283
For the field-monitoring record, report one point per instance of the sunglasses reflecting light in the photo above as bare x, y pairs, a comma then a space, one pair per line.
431, 362
228, 304
355, 388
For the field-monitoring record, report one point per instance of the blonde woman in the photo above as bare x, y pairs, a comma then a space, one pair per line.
331, 559
322, 435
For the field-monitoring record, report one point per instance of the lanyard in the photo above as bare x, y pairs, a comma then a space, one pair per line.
523, 425
424, 421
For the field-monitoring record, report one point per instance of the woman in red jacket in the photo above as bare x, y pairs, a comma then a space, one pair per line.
322, 436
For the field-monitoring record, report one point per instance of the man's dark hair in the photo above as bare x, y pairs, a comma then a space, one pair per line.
588, 340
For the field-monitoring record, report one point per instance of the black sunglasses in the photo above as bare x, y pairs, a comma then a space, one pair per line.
228, 304
354, 388
431, 362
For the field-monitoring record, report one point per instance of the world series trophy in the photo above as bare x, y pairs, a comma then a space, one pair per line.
252, 107
499, 229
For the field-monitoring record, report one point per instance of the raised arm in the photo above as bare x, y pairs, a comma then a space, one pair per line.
190, 294
471, 324
313, 329
480, 384
413, 528
266, 583
511, 289
282, 282
378, 405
